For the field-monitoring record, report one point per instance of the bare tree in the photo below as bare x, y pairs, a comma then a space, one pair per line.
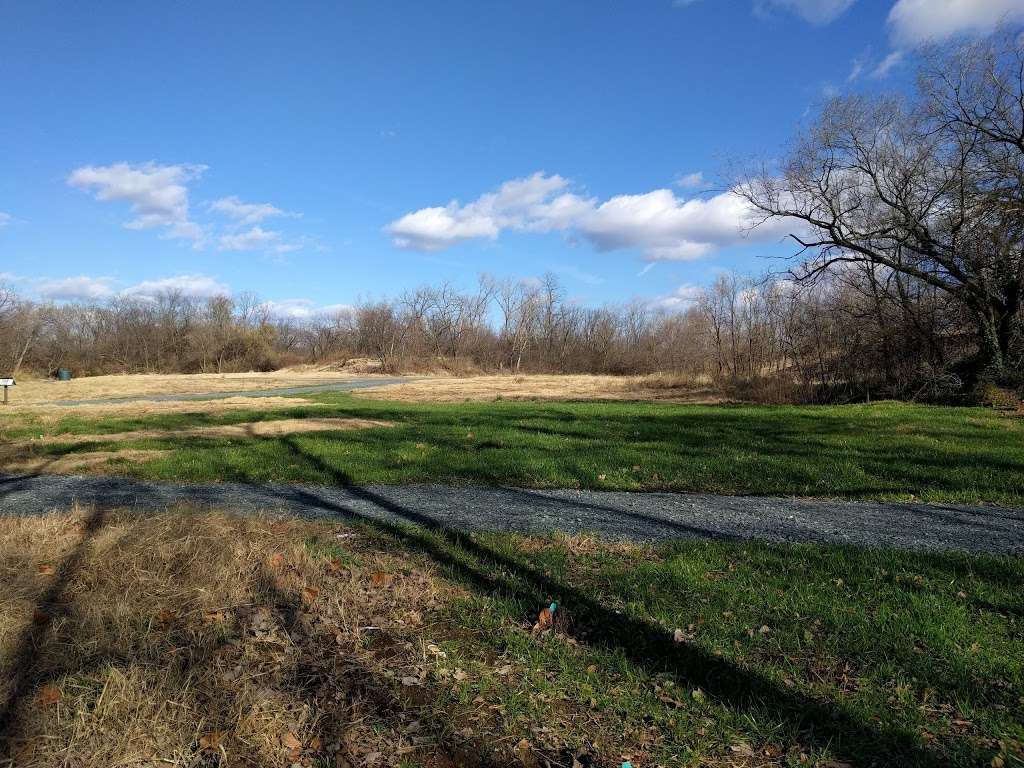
929, 188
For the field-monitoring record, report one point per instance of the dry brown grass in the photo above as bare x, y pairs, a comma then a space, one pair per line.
544, 387
53, 413
32, 391
86, 462
275, 428
202, 639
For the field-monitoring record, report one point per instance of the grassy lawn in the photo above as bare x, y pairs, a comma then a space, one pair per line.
205, 639
886, 450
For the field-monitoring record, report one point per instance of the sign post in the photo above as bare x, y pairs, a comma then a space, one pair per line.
5, 383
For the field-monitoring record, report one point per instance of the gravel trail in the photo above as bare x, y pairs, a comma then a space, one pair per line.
612, 515
300, 389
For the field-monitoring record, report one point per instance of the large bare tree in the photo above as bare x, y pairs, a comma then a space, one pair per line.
928, 187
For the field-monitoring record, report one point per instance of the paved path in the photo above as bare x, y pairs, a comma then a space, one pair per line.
301, 389
615, 515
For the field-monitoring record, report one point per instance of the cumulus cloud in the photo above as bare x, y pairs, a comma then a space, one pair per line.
158, 194
194, 286
81, 288
304, 309
814, 11
246, 214
660, 224
913, 22
681, 298
536, 203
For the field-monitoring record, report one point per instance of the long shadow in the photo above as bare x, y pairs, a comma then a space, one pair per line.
682, 529
49, 606
647, 645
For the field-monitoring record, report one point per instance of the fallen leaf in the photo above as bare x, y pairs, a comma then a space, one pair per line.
506, 670
309, 594
277, 561
166, 616
45, 569
333, 565
381, 579
214, 617
49, 695
601, 477
410, 681
679, 636
291, 741
544, 620
211, 741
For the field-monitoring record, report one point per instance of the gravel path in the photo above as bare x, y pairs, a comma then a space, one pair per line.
614, 515
301, 389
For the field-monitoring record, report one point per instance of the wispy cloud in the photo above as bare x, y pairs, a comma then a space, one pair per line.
818, 12
247, 213
5, 219
887, 64
693, 180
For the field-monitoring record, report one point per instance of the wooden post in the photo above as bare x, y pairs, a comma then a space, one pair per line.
5, 383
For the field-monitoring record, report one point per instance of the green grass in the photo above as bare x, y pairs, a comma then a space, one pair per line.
791, 655
886, 450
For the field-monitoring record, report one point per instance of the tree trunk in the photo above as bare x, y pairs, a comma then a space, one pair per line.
993, 342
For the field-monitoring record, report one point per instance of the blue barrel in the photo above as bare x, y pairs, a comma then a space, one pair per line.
64, 374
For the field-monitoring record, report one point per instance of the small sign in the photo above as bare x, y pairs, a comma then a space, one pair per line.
6, 382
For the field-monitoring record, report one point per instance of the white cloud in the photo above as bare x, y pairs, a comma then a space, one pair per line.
681, 298
158, 194
813, 11
913, 22
887, 64
250, 240
690, 180
247, 213
536, 203
663, 226
193, 286
5, 219
304, 309
81, 288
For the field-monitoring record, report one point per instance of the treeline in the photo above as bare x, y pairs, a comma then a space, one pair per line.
856, 334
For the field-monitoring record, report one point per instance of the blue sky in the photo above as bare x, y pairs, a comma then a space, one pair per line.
311, 152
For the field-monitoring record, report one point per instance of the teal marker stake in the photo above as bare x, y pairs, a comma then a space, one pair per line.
554, 607
627, 764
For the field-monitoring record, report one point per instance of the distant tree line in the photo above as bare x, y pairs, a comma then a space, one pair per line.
853, 335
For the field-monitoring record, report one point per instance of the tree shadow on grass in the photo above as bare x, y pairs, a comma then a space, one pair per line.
645, 644
321, 675
50, 605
